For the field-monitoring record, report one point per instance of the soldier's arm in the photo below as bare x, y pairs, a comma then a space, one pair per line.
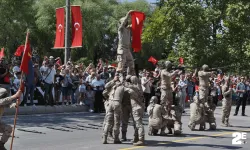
110, 84
8, 100
226, 92
125, 20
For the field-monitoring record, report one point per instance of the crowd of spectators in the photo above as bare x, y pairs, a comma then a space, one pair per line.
75, 84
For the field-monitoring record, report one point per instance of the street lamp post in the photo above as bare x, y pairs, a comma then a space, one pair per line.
67, 36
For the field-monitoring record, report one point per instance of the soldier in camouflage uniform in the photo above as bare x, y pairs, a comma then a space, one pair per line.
226, 103
126, 111
156, 120
124, 55
167, 96
114, 110
209, 113
197, 114
5, 101
137, 103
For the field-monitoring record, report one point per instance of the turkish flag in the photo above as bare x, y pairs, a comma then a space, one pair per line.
26, 56
152, 60
181, 61
19, 50
59, 42
137, 24
2, 53
76, 26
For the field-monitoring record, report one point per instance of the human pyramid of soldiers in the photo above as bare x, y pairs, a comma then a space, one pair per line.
124, 99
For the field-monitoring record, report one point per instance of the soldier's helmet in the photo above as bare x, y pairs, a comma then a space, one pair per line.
205, 67
134, 80
154, 99
167, 64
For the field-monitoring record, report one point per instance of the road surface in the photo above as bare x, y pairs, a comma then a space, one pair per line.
82, 131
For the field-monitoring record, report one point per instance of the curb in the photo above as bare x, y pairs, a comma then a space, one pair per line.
45, 110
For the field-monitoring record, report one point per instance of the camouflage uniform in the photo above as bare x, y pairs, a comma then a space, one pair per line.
226, 104
209, 113
6, 130
197, 114
137, 103
155, 120
124, 55
114, 111
126, 112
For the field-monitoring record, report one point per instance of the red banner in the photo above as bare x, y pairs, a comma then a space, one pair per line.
137, 24
26, 56
152, 60
59, 42
19, 50
181, 61
2, 53
76, 26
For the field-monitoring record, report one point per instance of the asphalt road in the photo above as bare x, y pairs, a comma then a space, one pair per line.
80, 131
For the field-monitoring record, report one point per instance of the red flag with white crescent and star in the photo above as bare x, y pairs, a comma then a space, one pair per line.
76, 26
59, 41
2, 53
181, 61
137, 24
26, 56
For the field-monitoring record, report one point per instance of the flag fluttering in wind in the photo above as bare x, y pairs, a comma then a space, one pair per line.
152, 60
19, 50
26, 56
181, 61
2, 53
59, 41
76, 26
137, 25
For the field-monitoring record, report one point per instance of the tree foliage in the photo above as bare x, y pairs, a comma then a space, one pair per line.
202, 31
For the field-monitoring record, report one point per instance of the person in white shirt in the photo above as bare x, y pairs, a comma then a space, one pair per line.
91, 77
182, 92
98, 86
146, 83
48, 74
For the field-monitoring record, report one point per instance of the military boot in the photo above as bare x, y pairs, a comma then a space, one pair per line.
136, 139
202, 127
117, 140
124, 138
110, 135
212, 126
104, 139
140, 142
227, 123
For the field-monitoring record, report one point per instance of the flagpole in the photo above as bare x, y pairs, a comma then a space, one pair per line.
67, 36
18, 100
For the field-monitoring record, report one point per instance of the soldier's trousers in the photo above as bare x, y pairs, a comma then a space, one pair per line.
126, 111
166, 97
113, 113
6, 130
203, 94
126, 58
226, 109
138, 115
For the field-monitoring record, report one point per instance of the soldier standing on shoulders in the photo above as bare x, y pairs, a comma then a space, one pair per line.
124, 55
